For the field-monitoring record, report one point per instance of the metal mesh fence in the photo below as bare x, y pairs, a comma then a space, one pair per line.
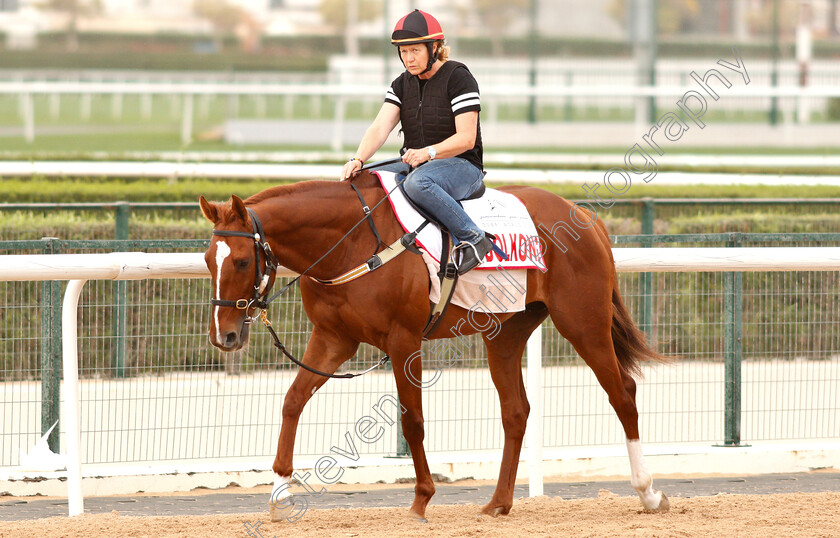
663, 216
157, 391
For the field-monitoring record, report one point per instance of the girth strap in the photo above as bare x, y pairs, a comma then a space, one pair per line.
448, 276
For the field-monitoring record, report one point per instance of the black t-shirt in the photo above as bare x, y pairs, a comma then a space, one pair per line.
462, 90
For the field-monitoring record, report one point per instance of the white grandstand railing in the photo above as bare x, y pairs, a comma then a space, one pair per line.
342, 92
78, 268
371, 90
297, 172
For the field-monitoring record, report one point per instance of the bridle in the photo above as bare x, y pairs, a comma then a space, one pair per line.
263, 280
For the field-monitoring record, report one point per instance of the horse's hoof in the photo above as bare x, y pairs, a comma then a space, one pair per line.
287, 509
495, 511
417, 517
664, 506
279, 512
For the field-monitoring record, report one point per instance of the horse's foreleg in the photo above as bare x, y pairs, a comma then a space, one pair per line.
408, 375
504, 356
323, 352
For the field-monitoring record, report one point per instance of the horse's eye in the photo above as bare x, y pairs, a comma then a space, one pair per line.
242, 264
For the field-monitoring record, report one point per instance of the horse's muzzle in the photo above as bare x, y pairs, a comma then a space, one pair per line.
231, 340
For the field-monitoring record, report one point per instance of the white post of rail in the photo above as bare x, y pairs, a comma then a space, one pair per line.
337, 142
28, 117
535, 418
71, 421
187, 120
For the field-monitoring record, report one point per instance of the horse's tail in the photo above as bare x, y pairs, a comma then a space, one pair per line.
630, 343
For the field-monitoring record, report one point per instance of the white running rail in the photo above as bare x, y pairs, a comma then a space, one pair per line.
78, 268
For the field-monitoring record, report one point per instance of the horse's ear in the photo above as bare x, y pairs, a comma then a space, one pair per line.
238, 207
209, 209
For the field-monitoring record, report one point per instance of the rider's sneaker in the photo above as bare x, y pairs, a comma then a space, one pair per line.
471, 255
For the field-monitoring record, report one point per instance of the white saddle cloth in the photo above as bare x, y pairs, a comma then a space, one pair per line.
496, 212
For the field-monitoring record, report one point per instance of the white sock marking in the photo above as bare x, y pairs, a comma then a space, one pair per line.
281, 488
640, 479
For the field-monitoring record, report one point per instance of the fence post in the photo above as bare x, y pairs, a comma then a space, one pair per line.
568, 110
70, 367
123, 215
187, 120
337, 142
27, 101
402, 445
732, 347
534, 428
646, 279
50, 351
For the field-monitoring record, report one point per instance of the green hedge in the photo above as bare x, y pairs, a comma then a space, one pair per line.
188, 223
45, 190
52, 190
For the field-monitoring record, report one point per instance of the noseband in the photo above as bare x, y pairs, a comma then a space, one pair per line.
262, 253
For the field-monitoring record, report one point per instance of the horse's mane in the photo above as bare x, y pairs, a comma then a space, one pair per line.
318, 188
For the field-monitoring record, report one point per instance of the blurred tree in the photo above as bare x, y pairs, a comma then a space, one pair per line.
227, 18
760, 17
496, 16
73, 9
344, 15
672, 16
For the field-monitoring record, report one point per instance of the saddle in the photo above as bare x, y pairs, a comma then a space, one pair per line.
448, 271
448, 274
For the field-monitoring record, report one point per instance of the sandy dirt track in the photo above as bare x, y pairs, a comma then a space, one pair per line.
783, 515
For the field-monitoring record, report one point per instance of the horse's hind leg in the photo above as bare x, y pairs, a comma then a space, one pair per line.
504, 356
325, 352
595, 346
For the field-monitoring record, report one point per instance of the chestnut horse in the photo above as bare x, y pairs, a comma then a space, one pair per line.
388, 309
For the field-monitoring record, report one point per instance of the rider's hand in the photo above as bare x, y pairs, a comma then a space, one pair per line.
416, 157
351, 168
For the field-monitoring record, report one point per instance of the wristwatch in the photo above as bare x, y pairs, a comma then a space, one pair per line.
432, 153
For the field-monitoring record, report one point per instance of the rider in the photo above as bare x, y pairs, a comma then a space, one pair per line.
437, 102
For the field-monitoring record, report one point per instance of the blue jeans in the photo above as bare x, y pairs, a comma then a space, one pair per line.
436, 185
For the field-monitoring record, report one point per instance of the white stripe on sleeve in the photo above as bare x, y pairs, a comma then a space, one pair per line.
463, 104
392, 96
465, 96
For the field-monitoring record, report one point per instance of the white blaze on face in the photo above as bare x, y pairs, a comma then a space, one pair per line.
222, 252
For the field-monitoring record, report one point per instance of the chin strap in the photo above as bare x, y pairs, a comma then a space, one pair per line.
432, 57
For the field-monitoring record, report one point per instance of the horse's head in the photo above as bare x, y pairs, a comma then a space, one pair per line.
241, 269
